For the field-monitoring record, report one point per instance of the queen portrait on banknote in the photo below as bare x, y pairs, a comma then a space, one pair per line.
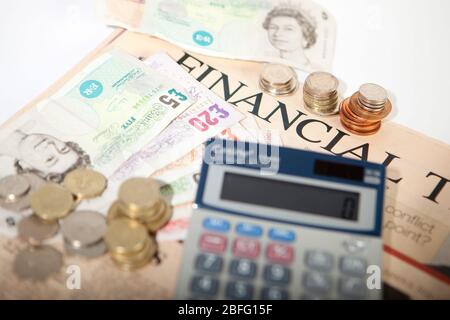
291, 31
43, 155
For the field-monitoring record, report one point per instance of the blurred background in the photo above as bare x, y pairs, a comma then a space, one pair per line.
404, 45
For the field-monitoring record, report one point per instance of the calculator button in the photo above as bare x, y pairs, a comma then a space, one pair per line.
239, 291
243, 268
317, 282
213, 243
274, 294
246, 248
216, 224
281, 235
353, 266
277, 274
204, 285
208, 263
280, 253
249, 230
317, 260
352, 288
354, 246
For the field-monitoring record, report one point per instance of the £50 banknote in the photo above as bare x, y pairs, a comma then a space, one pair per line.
299, 33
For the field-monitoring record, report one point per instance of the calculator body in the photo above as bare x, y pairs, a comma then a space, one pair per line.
311, 229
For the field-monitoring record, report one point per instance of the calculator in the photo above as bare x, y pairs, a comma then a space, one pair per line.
311, 229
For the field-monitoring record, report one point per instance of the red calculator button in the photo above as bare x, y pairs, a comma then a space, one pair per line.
246, 248
213, 243
281, 253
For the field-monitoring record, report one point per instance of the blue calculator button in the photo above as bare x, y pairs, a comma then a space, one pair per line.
281, 235
216, 224
239, 291
248, 229
204, 285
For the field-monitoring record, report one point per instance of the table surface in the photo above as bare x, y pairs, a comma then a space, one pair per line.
403, 45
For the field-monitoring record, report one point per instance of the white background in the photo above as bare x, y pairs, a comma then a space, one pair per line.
403, 45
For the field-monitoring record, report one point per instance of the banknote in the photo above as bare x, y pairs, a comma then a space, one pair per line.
299, 33
208, 116
106, 113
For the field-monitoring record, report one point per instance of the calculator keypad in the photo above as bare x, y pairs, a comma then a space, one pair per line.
246, 261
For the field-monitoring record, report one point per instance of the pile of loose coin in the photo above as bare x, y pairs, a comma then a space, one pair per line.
320, 93
278, 80
363, 111
133, 220
53, 208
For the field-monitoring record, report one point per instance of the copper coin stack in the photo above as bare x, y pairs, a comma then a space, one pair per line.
362, 112
320, 93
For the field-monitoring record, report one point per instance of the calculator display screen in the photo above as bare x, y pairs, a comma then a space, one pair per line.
290, 196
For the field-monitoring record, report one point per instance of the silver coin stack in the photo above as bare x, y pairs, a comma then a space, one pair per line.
320, 93
83, 233
278, 79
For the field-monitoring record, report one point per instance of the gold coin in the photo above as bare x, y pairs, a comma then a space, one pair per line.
165, 215
126, 236
115, 212
147, 251
85, 183
139, 194
51, 202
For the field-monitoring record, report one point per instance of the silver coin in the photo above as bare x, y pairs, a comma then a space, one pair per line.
37, 263
23, 202
35, 230
91, 251
83, 228
371, 94
13, 187
278, 79
320, 84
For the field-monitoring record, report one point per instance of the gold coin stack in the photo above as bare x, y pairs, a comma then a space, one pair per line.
278, 79
362, 112
129, 243
320, 93
140, 201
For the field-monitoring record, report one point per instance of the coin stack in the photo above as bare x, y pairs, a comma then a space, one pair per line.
278, 79
320, 93
83, 233
140, 209
140, 199
129, 243
362, 112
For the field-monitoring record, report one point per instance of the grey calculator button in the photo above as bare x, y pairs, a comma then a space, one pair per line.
353, 266
204, 285
318, 260
274, 294
243, 268
354, 245
317, 282
352, 288
239, 291
277, 273
209, 263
